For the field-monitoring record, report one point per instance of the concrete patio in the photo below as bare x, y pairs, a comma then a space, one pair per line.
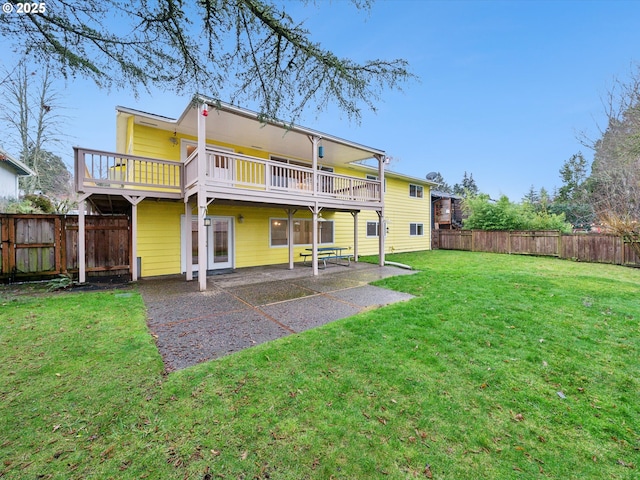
254, 305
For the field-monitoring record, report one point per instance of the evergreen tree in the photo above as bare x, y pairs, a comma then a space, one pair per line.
443, 185
467, 188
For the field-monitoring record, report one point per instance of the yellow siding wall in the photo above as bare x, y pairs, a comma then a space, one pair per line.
159, 222
155, 143
400, 211
159, 237
159, 231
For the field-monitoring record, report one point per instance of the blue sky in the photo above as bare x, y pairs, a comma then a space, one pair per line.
504, 86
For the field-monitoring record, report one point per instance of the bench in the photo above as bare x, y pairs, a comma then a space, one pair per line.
321, 255
337, 259
324, 256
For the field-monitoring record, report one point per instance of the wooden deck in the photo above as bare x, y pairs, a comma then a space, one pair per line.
224, 175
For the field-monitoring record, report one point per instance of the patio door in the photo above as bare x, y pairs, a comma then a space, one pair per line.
222, 245
219, 243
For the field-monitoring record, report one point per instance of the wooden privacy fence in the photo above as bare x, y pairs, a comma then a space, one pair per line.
593, 248
41, 246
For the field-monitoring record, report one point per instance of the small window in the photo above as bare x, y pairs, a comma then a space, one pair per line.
302, 231
416, 191
375, 178
372, 229
416, 229
278, 232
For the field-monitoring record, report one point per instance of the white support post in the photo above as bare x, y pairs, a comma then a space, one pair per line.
82, 256
314, 239
381, 225
188, 239
202, 243
202, 197
290, 213
355, 235
314, 163
382, 231
134, 201
134, 242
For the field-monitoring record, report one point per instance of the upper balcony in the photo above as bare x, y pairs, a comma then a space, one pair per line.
226, 176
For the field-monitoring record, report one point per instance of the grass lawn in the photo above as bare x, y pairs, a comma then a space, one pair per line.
502, 367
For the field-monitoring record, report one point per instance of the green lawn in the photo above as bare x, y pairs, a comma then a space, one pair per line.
502, 367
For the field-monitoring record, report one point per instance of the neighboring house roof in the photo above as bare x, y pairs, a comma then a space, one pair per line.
20, 168
439, 194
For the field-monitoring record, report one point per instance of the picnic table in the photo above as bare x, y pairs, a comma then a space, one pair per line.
328, 254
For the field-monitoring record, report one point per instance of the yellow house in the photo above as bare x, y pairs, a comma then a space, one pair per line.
220, 188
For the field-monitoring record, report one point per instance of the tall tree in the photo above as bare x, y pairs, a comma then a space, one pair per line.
532, 197
468, 186
443, 186
253, 47
30, 113
614, 183
574, 175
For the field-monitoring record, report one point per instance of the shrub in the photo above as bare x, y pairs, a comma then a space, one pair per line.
486, 214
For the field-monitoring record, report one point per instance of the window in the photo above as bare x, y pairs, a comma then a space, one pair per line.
302, 231
416, 229
375, 177
278, 232
372, 229
416, 191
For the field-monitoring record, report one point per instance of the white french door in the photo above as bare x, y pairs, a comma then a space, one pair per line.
219, 243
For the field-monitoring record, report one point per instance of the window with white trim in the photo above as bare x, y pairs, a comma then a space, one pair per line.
416, 229
302, 231
373, 229
375, 177
416, 191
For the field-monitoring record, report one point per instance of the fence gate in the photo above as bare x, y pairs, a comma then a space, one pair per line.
31, 245
42, 246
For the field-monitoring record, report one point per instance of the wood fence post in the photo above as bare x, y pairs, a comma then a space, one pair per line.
11, 245
4, 241
57, 244
63, 244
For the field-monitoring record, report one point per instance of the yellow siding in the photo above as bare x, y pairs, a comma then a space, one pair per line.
402, 210
155, 143
159, 234
159, 237
252, 236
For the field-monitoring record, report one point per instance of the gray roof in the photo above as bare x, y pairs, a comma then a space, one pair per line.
20, 168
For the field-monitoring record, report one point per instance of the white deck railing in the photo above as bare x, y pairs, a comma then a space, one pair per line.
101, 171
241, 171
97, 170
